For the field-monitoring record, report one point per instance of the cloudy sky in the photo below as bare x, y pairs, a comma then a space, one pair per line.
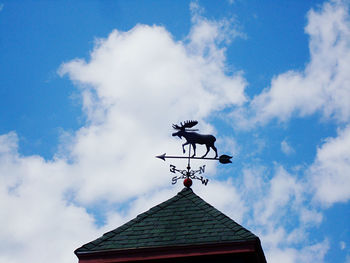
89, 91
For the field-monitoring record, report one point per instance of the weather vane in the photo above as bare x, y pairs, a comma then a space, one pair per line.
193, 138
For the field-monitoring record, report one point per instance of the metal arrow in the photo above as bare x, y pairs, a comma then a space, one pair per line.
222, 158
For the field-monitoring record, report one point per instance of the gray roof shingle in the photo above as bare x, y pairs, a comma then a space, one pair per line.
185, 219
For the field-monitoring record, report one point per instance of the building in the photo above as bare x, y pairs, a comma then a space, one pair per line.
182, 229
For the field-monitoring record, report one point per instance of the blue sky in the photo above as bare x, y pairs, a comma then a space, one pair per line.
87, 86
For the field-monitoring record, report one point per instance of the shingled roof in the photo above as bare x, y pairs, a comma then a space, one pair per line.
183, 226
185, 219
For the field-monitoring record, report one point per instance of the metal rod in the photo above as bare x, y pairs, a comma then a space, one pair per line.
222, 159
189, 157
184, 157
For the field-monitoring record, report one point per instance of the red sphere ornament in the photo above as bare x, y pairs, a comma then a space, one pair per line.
188, 182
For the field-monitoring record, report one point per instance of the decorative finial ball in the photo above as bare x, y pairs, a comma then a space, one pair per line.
188, 182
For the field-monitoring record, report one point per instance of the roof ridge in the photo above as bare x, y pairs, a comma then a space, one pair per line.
138, 218
209, 225
226, 221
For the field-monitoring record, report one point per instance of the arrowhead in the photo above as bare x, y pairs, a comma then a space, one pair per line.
225, 159
161, 156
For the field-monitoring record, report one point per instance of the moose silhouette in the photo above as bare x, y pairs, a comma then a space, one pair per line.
194, 138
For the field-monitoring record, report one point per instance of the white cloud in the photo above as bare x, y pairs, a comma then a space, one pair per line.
342, 245
130, 91
310, 216
206, 35
36, 212
283, 188
323, 86
280, 215
134, 86
228, 145
286, 148
313, 253
329, 173
8, 143
229, 200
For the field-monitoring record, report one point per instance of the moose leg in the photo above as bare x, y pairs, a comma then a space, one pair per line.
183, 147
194, 149
207, 151
216, 151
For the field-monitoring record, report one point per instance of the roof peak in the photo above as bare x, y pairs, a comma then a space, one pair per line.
186, 190
184, 219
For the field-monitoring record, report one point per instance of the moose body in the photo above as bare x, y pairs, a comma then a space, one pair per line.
194, 138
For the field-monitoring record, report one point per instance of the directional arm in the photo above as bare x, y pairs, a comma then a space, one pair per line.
222, 159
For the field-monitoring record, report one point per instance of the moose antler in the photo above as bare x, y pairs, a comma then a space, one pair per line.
189, 124
176, 127
186, 124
